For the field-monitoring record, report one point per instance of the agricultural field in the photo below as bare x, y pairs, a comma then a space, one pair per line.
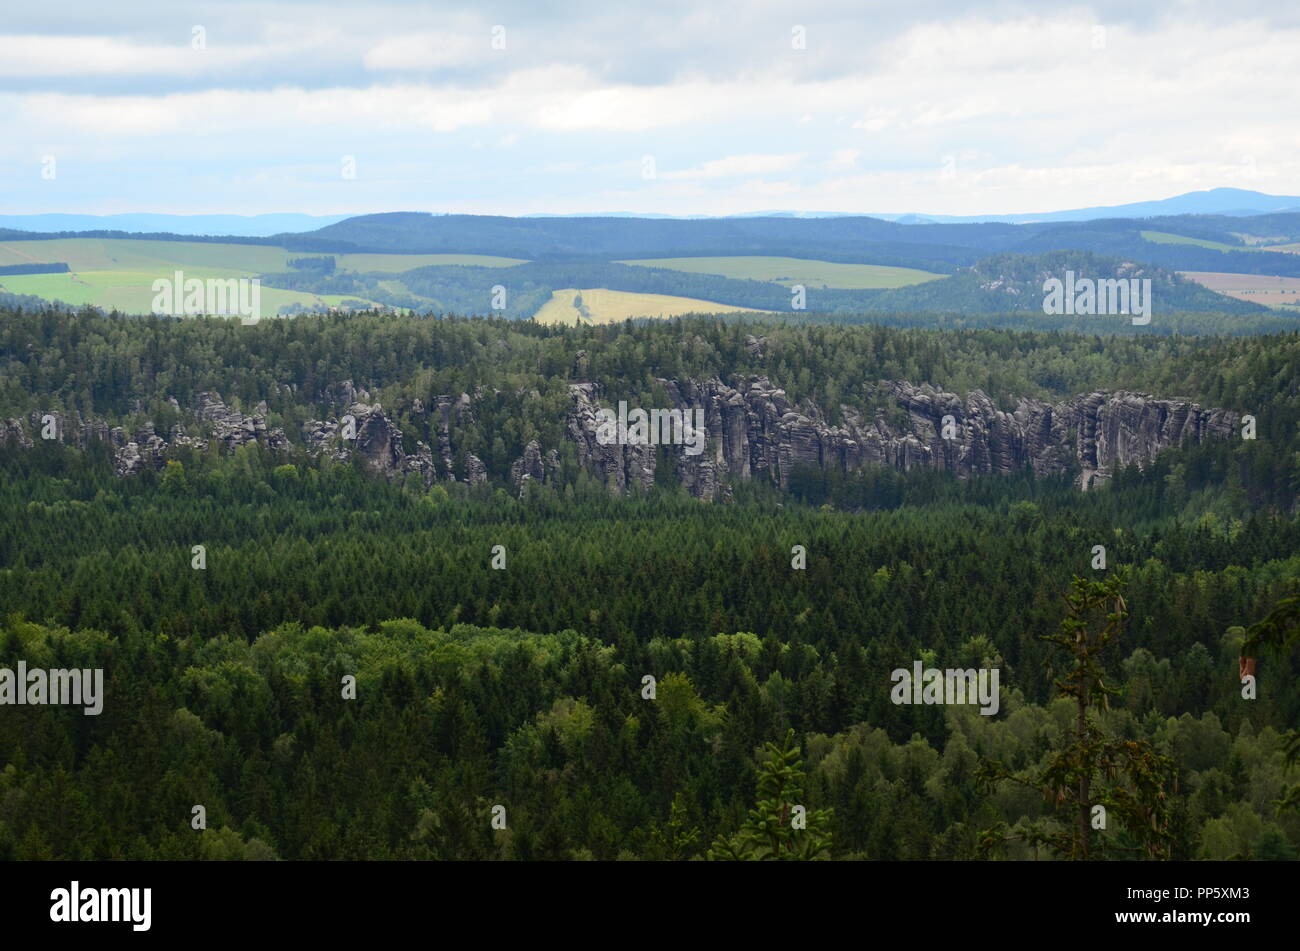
1162, 237
1269, 241
131, 292
779, 270
163, 257
599, 305
118, 273
1267, 289
221, 260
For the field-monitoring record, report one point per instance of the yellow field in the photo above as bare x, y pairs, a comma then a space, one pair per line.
603, 306
1267, 289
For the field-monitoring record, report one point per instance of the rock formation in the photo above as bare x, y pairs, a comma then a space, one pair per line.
752, 431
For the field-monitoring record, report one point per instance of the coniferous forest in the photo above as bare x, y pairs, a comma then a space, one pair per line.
362, 665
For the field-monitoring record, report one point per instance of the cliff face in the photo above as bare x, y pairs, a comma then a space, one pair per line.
752, 431
365, 430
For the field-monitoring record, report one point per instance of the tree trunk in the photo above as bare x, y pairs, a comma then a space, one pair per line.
1082, 829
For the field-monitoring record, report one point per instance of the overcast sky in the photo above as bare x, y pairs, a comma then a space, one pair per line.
692, 107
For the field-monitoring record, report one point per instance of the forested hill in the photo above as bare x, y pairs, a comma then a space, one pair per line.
1014, 282
991, 272
1251, 244
839, 238
501, 641
998, 286
832, 239
490, 400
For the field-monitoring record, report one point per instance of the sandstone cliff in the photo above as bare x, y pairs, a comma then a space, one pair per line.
752, 431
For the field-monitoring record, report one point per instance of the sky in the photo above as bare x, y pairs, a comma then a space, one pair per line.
688, 108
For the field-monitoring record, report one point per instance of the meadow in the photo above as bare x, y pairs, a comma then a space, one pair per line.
787, 271
118, 273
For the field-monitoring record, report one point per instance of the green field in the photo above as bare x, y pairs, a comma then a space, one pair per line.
226, 260
118, 273
132, 291
778, 270
603, 306
1164, 237
122, 254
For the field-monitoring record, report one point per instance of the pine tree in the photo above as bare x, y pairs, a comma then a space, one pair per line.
776, 828
1279, 631
1126, 777
676, 840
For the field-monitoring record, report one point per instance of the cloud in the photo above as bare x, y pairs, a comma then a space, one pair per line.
1036, 113
842, 160
41, 56
429, 51
877, 119
735, 166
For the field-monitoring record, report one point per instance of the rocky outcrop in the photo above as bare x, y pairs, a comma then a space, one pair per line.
13, 433
475, 471
752, 430
619, 467
146, 448
532, 466
365, 431
529, 465
69, 429
231, 428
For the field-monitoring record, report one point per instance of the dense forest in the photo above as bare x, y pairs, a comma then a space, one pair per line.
992, 286
501, 642
930, 246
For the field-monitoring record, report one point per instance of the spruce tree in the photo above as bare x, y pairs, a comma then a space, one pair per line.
1128, 778
776, 829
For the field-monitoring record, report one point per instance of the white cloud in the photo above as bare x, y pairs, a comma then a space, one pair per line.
734, 166
43, 56
843, 160
877, 119
429, 51
1036, 117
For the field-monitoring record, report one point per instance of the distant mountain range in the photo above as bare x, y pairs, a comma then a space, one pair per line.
1228, 202
1216, 201
1178, 242
1234, 202
253, 226
981, 267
